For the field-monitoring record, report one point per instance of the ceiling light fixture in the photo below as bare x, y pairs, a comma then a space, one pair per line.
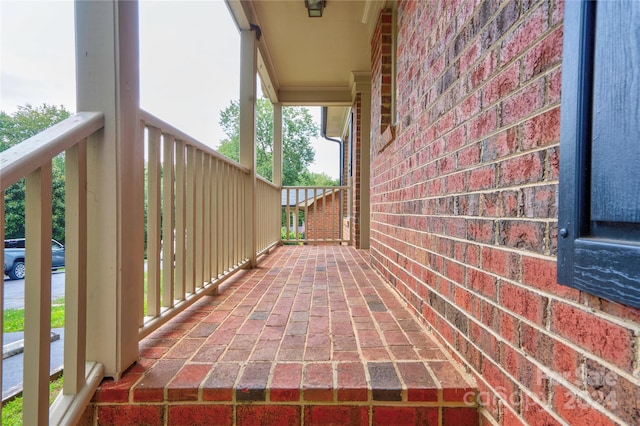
315, 7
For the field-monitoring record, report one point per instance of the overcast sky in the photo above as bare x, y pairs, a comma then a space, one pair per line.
189, 64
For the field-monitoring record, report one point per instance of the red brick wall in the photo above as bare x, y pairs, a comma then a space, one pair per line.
355, 171
381, 45
324, 220
464, 214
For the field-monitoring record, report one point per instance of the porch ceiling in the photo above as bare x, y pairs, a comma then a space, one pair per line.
310, 61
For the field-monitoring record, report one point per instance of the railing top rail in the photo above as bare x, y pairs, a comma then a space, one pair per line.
330, 187
267, 182
25, 157
166, 128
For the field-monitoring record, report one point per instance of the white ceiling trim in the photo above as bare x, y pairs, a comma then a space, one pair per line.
314, 96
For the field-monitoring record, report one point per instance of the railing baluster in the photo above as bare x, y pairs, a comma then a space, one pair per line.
323, 209
207, 218
2, 286
296, 219
37, 317
199, 213
231, 240
212, 220
236, 218
75, 268
306, 211
140, 291
227, 215
168, 247
233, 232
153, 225
337, 203
190, 223
327, 204
219, 229
287, 213
314, 206
180, 220
208, 205
263, 211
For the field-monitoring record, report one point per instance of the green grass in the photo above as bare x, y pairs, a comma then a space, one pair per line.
13, 319
144, 307
12, 410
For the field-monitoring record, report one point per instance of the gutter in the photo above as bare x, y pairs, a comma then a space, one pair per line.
323, 133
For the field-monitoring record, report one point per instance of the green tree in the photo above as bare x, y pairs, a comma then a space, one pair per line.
317, 179
28, 121
298, 129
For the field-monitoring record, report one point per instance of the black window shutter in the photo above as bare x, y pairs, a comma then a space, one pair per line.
599, 192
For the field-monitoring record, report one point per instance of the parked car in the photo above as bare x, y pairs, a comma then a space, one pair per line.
14, 257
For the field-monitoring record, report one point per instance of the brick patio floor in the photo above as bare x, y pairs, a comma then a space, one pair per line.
311, 336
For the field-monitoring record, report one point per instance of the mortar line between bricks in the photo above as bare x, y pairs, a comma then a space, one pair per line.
394, 359
542, 367
264, 327
313, 269
448, 356
300, 403
513, 282
515, 250
257, 283
378, 328
492, 190
438, 384
355, 331
347, 266
350, 266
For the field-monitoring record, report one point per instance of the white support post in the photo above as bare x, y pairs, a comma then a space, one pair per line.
277, 144
277, 162
107, 62
362, 84
248, 70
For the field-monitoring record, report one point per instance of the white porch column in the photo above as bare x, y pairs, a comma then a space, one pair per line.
248, 72
108, 81
277, 144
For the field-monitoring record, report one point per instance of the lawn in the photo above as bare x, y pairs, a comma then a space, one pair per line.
12, 410
13, 319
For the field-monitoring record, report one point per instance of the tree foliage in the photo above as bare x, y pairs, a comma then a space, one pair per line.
28, 121
317, 179
298, 128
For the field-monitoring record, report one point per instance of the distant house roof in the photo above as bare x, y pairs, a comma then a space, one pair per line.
298, 196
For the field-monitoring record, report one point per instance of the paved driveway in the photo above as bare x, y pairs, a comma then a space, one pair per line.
14, 290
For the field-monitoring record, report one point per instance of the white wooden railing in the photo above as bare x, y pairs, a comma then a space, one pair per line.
32, 159
315, 214
268, 215
197, 229
196, 225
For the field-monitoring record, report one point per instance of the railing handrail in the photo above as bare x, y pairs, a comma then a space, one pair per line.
315, 187
267, 182
166, 128
22, 159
